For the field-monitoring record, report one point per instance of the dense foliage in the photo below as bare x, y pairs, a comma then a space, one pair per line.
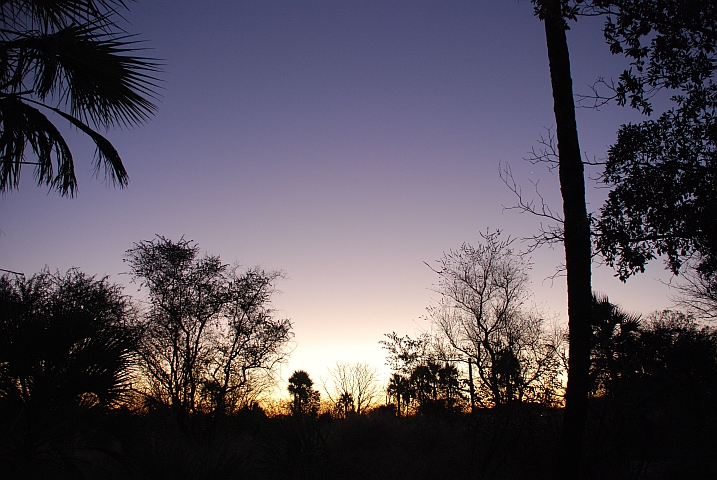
663, 172
64, 340
70, 358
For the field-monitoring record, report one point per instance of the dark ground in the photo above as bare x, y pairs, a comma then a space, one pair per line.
624, 441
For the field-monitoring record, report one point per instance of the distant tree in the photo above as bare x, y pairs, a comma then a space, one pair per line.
697, 292
210, 334
424, 383
345, 404
399, 389
65, 340
352, 387
305, 399
405, 353
435, 387
429, 387
71, 58
483, 316
449, 390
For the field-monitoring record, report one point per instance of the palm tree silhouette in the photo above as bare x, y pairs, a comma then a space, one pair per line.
346, 404
611, 334
68, 57
399, 387
66, 351
305, 397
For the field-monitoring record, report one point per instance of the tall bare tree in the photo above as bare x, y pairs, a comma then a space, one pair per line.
483, 316
352, 387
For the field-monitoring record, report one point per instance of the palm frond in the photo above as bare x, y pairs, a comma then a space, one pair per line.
21, 124
106, 156
95, 74
71, 57
47, 14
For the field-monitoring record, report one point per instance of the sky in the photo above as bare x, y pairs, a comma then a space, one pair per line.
346, 143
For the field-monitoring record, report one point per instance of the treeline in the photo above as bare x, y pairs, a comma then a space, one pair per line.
95, 384
488, 382
489, 346
664, 355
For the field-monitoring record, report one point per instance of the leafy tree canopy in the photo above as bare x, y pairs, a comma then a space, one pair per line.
663, 171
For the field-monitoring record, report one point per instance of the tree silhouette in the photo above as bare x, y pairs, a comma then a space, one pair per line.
666, 354
435, 387
305, 399
576, 227
483, 317
210, 334
65, 340
449, 385
71, 58
346, 404
399, 388
663, 201
352, 387
405, 354
186, 296
697, 292
249, 341
662, 171
613, 345
424, 383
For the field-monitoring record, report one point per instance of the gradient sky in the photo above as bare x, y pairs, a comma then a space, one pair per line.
345, 143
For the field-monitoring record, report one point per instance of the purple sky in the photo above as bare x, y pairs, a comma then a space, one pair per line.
343, 142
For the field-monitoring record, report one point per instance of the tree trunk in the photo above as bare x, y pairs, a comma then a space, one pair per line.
471, 387
577, 237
